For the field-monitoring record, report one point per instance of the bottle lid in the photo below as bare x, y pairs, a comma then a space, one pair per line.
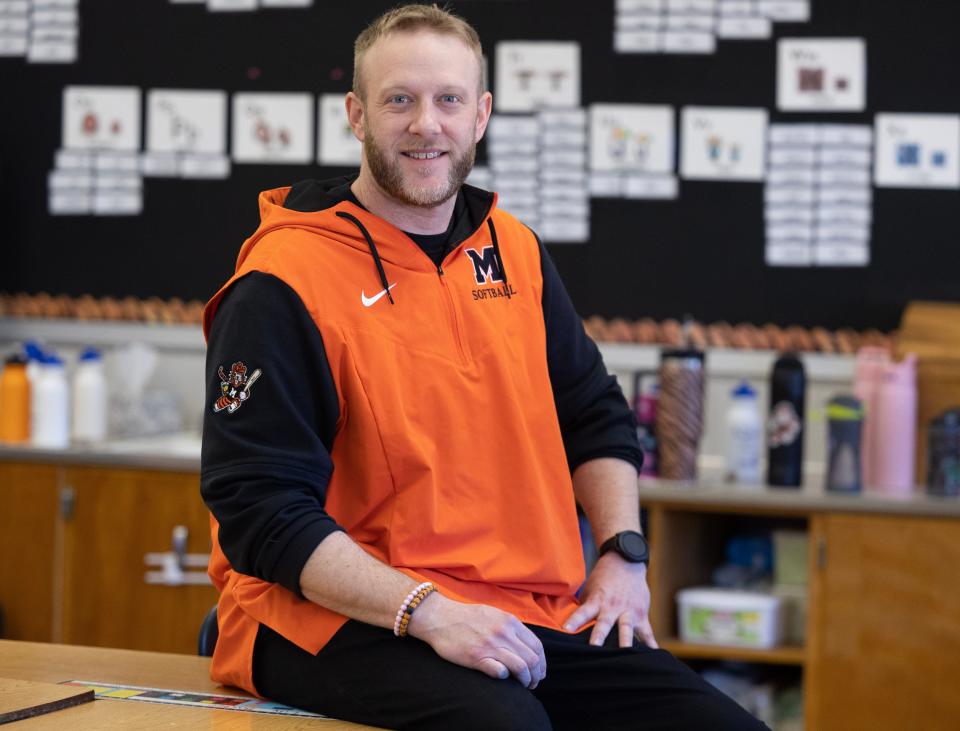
50, 359
743, 391
16, 359
33, 351
845, 408
90, 355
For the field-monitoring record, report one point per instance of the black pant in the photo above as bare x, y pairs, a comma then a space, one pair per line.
366, 675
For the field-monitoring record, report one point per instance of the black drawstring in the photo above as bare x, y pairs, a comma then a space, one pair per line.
496, 252
373, 250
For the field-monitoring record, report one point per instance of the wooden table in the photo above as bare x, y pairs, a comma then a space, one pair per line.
55, 663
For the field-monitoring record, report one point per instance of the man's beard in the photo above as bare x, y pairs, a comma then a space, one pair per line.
389, 175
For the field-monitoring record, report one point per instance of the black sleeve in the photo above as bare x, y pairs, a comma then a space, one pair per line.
595, 420
265, 463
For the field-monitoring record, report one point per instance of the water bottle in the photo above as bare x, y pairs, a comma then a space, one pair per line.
680, 412
785, 422
844, 429
50, 416
943, 454
866, 386
893, 463
645, 410
744, 436
89, 398
14, 401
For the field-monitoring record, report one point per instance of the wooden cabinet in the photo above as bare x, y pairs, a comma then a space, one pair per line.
29, 538
885, 641
882, 647
73, 542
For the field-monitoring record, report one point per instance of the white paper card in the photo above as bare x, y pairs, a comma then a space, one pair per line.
744, 28
513, 128
480, 177
231, 5
13, 45
569, 192
631, 137
14, 7
561, 231
187, 121
607, 185
70, 204
841, 255
116, 162
118, 181
272, 128
793, 11
101, 118
557, 120
117, 203
537, 75
688, 42
636, 41
821, 74
640, 6
653, 187
52, 52
205, 167
917, 151
73, 160
723, 143
337, 145
60, 180
796, 255
160, 164
14, 24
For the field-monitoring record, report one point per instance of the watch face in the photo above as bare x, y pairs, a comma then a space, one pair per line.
634, 544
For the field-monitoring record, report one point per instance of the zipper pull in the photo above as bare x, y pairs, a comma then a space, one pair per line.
439, 270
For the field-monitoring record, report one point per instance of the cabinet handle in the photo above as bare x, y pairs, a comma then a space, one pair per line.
822, 552
68, 501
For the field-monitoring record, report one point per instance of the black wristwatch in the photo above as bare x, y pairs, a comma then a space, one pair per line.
629, 544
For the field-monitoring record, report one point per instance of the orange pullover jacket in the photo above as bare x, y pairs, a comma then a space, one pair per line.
449, 463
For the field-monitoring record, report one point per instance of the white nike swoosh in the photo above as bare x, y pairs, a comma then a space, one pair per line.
367, 301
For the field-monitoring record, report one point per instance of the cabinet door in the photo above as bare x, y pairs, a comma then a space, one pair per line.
118, 517
886, 639
28, 539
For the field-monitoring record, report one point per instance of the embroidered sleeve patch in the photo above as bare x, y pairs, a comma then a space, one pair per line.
235, 387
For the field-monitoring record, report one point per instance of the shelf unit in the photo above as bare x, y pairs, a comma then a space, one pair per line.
882, 633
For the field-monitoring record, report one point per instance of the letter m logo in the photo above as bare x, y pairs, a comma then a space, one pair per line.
486, 268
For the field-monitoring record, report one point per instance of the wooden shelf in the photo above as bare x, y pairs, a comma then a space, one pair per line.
783, 655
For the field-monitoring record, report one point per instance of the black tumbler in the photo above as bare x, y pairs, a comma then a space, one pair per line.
788, 385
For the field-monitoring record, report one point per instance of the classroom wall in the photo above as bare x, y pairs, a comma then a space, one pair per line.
702, 252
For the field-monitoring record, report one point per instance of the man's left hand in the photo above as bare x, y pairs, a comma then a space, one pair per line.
616, 593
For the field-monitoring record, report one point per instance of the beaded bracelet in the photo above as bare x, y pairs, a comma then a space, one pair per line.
414, 603
409, 605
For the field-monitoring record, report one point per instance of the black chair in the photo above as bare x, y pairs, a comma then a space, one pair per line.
209, 631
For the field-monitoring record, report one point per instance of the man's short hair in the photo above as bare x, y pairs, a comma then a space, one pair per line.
411, 18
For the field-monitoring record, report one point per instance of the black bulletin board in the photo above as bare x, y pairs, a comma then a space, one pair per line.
702, 253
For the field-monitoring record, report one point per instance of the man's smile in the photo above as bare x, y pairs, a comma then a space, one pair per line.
424, 155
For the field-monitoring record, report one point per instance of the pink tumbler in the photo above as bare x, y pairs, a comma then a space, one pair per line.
895, 425
866, 386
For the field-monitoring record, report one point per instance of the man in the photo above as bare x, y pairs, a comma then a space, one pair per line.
403, 466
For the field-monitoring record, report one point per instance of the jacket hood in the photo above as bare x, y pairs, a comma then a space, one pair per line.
314, 206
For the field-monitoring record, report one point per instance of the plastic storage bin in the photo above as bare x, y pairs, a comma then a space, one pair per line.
729, 617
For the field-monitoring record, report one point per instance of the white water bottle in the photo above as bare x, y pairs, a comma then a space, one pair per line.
50, 418
744, 436
89, 398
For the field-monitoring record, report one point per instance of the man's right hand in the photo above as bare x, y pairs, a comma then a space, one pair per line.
480, 637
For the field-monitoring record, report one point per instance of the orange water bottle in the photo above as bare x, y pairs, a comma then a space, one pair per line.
14, 402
